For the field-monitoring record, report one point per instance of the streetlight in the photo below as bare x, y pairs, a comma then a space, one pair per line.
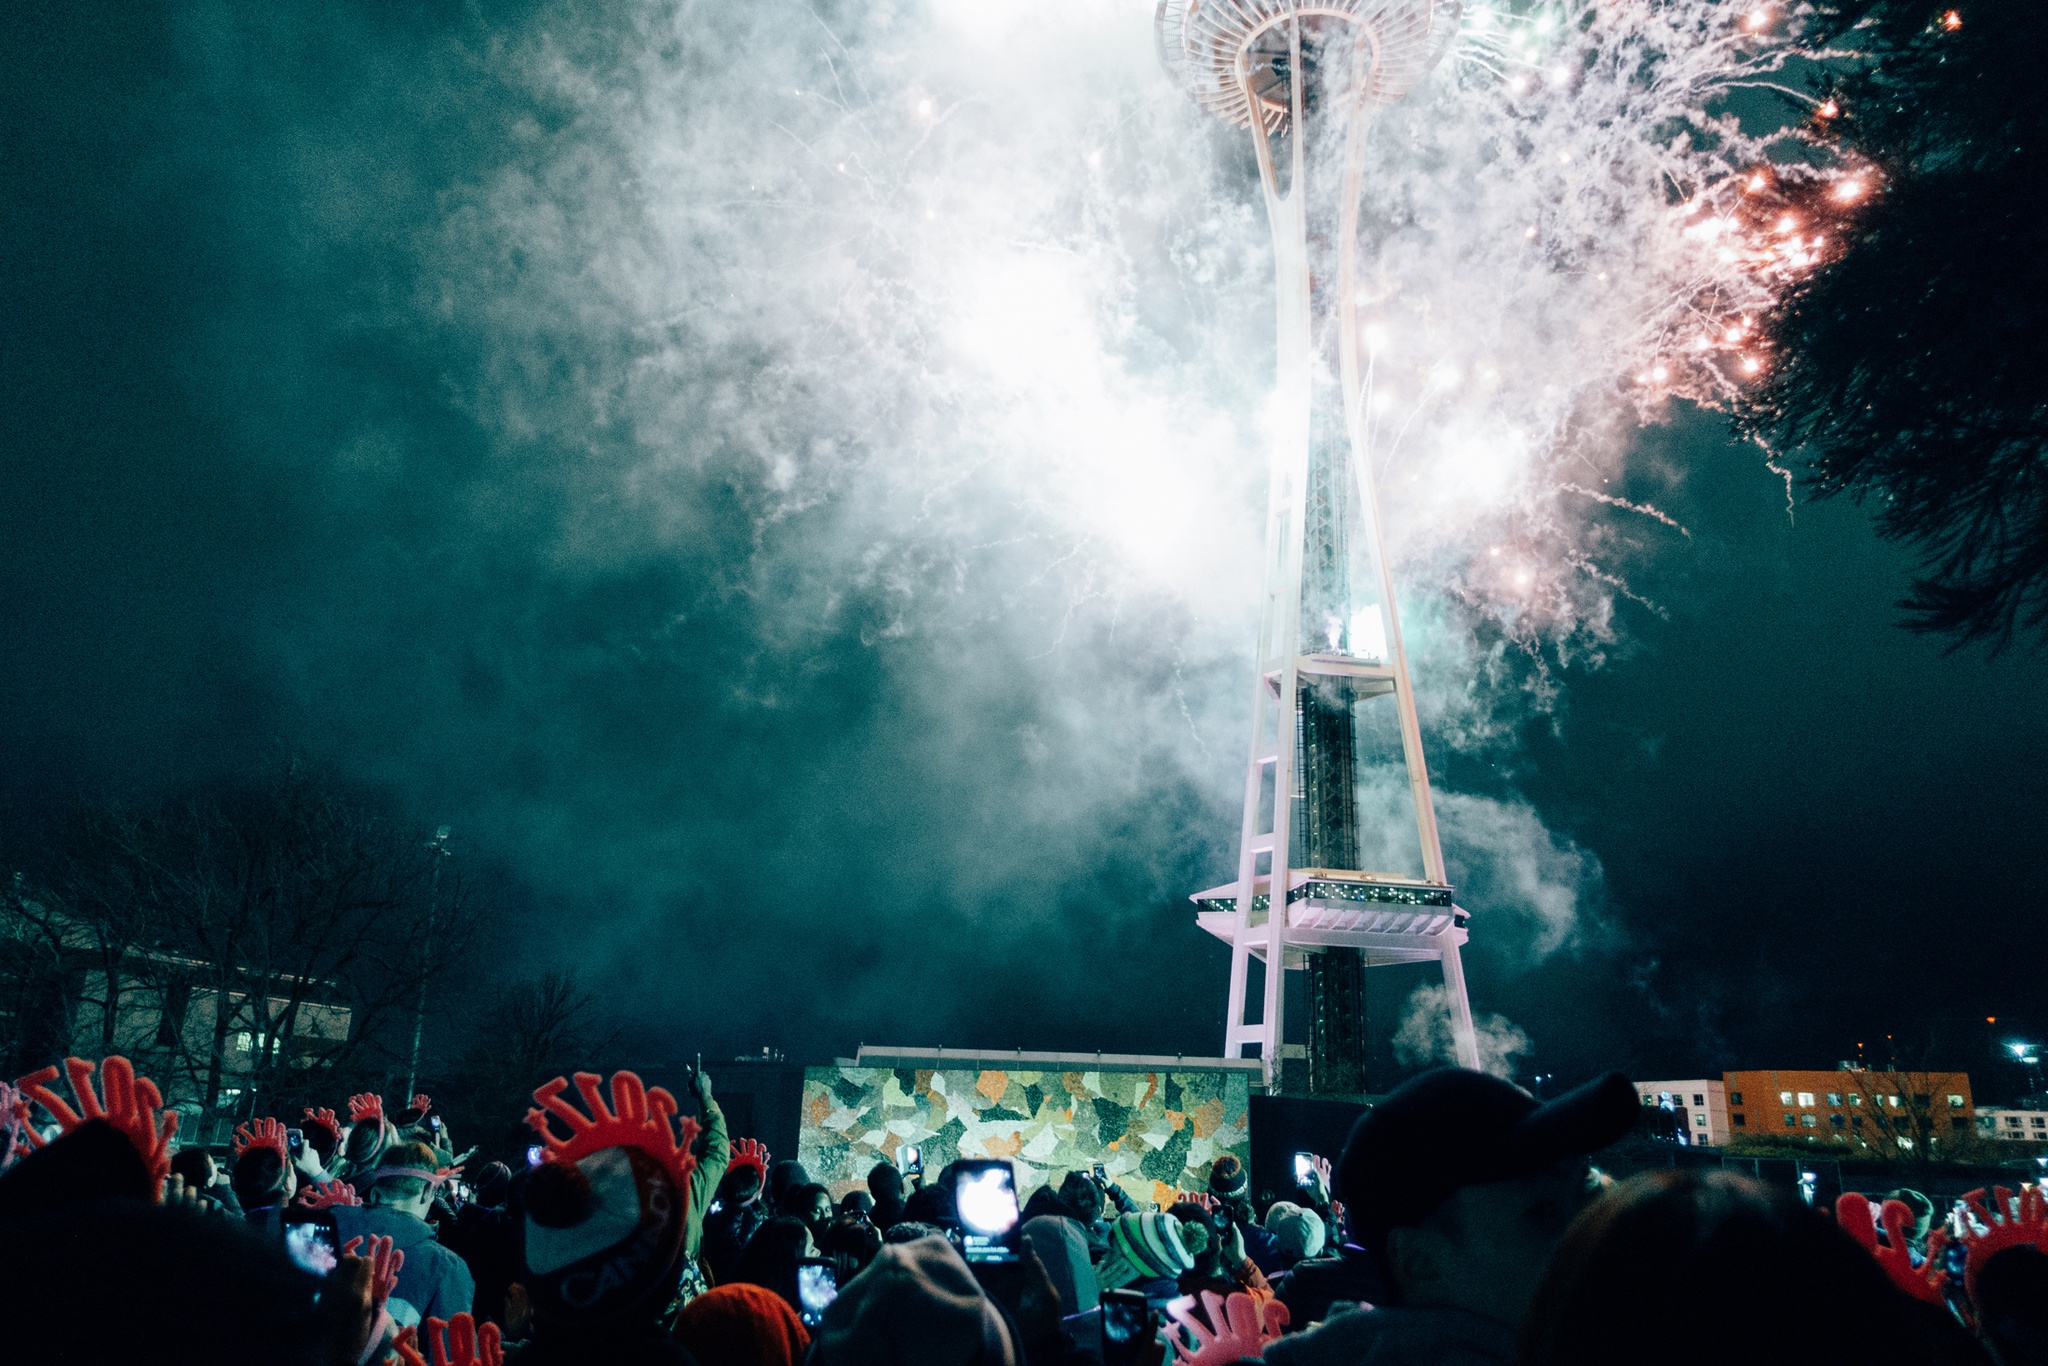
2028, 1055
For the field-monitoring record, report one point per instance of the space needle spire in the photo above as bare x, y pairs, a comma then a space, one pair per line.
1339, 864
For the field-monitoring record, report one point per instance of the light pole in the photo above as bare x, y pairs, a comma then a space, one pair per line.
2029, 1056
439, 844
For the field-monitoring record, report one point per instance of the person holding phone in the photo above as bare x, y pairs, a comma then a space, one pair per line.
918, 1301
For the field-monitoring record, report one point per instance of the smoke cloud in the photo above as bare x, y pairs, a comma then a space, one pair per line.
787, 479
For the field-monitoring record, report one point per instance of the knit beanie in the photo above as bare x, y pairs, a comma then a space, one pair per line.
1143, 1247
918, 1302
605, 1212
1299, 1231
1227, 1178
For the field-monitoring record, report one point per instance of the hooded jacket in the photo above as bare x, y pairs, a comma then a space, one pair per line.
433, 1282
1398, 1337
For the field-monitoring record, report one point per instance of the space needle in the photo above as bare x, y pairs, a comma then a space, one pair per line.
1336, 774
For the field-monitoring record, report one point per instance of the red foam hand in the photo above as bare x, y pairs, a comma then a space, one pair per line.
637, 1118
131, 1105
260, 1133
407, 1346
1202, 1198
385, 1262
365, 1107
422, 1102
324, 1119
458, 1342
751, 1152
1852, 1212
2004, 1227
1239, 1326
327, 1194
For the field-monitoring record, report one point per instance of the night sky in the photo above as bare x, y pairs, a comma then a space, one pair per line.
308, 451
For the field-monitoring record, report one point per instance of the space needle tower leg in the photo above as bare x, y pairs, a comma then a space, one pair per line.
1332, 703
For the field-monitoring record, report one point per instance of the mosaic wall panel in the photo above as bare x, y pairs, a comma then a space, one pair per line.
1155, 1132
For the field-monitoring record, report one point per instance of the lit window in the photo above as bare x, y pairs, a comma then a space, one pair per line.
1699, 1101
1735, 1097
1855, 1099
243, 1042
1806, 1099
1955, 1102
1810, 1121
1699, 1121
1784, 1097
1791, 1121
1893, 1101
1741, 1121
1834, 1097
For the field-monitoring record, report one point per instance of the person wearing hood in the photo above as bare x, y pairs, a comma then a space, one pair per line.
885, 1184
917, 1301
1459, 1185
1230, 1184
433, 1282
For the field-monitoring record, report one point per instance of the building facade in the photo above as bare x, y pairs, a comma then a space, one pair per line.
1699, 1108
2013, 1126
1852, 1107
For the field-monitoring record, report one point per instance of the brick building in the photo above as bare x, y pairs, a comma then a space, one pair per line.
1700, 1108
1853, 1107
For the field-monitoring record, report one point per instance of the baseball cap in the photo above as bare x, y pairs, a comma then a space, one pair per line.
1450, 1128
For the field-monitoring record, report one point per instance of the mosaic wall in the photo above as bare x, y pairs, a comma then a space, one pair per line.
1155, 1132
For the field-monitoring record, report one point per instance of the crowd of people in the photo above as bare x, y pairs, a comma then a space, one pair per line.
1462, 1225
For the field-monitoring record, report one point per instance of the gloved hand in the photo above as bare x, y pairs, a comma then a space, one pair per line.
1239, 1326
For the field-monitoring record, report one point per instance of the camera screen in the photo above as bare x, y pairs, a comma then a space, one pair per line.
817, 1285
295, 1139
1304, 1169
913, 1159
311, 1246
1126, 1325
985, 1198
534, 1154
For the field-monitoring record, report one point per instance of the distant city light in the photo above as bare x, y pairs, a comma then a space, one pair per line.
1951, 21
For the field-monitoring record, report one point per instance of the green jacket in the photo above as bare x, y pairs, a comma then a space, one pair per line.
711, 1165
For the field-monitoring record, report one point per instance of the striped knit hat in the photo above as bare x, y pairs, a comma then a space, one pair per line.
1143, 1247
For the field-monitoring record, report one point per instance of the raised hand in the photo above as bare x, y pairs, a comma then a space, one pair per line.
326, 1194
131, 1106
1852, 1212
384, 1261
1238, 1326
751, 1152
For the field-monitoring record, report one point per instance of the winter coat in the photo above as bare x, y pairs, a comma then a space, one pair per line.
433, 1282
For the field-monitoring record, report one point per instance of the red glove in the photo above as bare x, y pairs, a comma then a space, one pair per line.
1924, 1282
1239, 1326
131, 1106
384, 1265
327, 1194
261, 1133
751, 1152
367, 1106
454, 1342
